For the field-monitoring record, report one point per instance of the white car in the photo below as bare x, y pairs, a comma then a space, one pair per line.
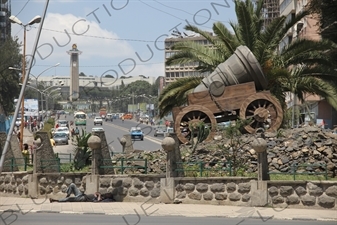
62, 130
97, 129
98, 120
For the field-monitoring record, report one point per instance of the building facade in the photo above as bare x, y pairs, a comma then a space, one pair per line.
271, 10
5, 25
314, 108
175, 72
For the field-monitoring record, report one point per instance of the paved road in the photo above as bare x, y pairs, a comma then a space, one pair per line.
89, 219
113, 132
116, 129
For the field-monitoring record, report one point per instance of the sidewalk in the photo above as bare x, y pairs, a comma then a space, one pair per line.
25, 205
28, 136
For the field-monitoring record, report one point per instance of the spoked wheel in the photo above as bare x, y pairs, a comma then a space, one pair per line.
192, 116
263, 110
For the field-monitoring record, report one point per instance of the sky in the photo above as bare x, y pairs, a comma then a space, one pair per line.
116, 37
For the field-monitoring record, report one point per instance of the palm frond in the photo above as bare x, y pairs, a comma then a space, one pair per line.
229, 41
307, 51
247, 27
175, 94
289, 25
188, 51
266, 43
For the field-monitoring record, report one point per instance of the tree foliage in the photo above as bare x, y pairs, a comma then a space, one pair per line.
9, 79
279, 65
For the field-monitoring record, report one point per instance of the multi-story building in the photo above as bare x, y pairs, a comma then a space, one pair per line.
5, 25
271, 10
314, 107
183, 70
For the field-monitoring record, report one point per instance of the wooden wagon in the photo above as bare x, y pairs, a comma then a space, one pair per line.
236, 89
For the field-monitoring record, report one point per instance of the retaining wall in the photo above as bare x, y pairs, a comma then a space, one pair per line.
141, 188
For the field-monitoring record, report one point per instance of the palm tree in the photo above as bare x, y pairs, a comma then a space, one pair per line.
176, 93
276, 63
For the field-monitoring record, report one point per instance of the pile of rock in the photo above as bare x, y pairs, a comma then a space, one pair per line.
307, 145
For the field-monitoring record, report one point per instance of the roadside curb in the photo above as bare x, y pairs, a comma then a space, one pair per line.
264, 218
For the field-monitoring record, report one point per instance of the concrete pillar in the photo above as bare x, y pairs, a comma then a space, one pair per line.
168, 145
94, 142
92, 184
123, 143
167, 190
259, 193
260, 146
33, 190
128, 148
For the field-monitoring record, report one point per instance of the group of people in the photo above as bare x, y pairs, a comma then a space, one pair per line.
81, 197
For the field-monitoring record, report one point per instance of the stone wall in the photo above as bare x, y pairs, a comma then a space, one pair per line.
125, 188
15, 183
142, 188
301, 194
132, 188
219, 191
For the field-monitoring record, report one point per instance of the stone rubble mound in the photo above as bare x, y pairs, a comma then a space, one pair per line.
308, 145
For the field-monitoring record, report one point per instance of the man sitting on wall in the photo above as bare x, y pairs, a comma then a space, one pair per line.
81, 197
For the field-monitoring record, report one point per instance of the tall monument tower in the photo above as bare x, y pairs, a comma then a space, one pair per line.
74, 72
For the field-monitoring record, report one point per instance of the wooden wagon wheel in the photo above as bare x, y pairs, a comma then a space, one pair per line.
192, 115
264, 110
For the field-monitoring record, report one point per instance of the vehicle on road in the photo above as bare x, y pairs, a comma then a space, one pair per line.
62, 130
97, 129
109, 117
102, 112
80, 119
162, 130
61, 138
128, 116
62, 123
136, 133
98, 120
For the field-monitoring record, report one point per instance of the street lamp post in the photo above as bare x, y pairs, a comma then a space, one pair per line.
37, 77
44, 92
14, 19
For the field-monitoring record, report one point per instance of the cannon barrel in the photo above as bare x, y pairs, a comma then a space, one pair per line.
241, 67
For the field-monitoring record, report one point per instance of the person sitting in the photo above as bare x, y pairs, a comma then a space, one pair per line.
81, 197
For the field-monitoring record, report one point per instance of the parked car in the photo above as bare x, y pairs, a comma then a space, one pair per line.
136, 133
98, 120
97, 129
61, 138
62, 130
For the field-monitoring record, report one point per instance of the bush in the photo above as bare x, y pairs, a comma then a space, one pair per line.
48, 125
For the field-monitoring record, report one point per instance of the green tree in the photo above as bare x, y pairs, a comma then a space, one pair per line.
264, 44
9, 79
138, 87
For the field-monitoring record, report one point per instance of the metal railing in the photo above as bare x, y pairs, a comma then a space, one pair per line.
202, 169
295, 166
64, 157
13, 163
46, 163
125, 164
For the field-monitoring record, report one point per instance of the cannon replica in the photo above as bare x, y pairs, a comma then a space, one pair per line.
237, 89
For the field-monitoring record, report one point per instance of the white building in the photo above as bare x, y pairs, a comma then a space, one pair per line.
94, 81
